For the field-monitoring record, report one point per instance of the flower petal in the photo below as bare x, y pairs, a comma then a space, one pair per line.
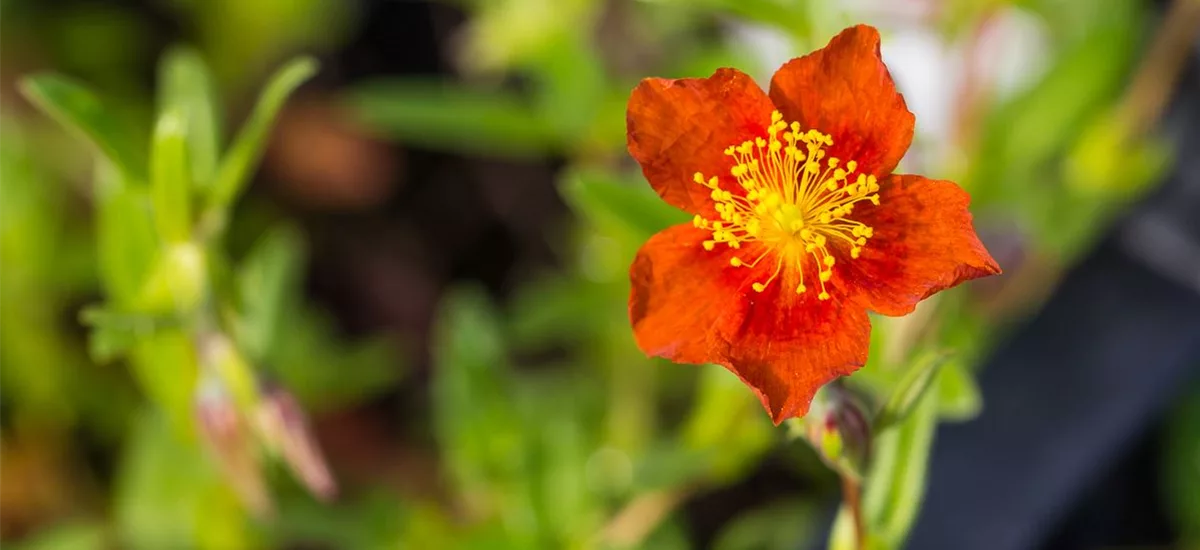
787, 346
678, 290
676, 128
924, 242
844, 90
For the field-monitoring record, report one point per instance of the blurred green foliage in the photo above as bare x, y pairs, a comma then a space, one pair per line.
552, 429
171, 294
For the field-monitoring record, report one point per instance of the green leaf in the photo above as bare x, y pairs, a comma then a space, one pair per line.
177, 281
113, 333
80, 111
613, 203
727, 421
323, 371
127, 245
168, 494
73, 535
444, 116
475, 419
571, 87
164, 366
909, 390
786, 15
958, 393
776, 526
186, 85
1181, 469
170, 177
269, 276
243, 156
895, 484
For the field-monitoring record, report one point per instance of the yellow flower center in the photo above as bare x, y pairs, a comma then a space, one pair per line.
795, 202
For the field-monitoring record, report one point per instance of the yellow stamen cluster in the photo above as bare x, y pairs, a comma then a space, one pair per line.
792, 200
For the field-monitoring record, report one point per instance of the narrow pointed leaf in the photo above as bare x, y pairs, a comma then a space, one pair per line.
171, 177
269, 275
186, 84
82, 112
247, 148
452, 118
909, 390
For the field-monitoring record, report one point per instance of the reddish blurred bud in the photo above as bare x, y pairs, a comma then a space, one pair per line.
224, 433
837, 427
284, 429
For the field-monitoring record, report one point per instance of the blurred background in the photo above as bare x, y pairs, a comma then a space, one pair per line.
431, 262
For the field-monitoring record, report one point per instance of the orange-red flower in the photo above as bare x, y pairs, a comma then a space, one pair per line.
800, 225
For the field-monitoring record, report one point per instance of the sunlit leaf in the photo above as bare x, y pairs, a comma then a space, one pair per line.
186, 85
164, 365
171, 177
127, 244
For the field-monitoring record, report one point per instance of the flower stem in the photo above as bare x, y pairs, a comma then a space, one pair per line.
852, 500
1155, 77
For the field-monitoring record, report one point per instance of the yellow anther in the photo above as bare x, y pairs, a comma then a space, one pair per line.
796, 201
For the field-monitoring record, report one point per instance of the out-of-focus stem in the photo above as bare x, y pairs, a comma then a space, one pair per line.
1155, 78
639, 518
852, 500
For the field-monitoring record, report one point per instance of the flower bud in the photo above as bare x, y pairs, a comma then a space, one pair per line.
837, 427
177, 281
284, 429
223, 431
